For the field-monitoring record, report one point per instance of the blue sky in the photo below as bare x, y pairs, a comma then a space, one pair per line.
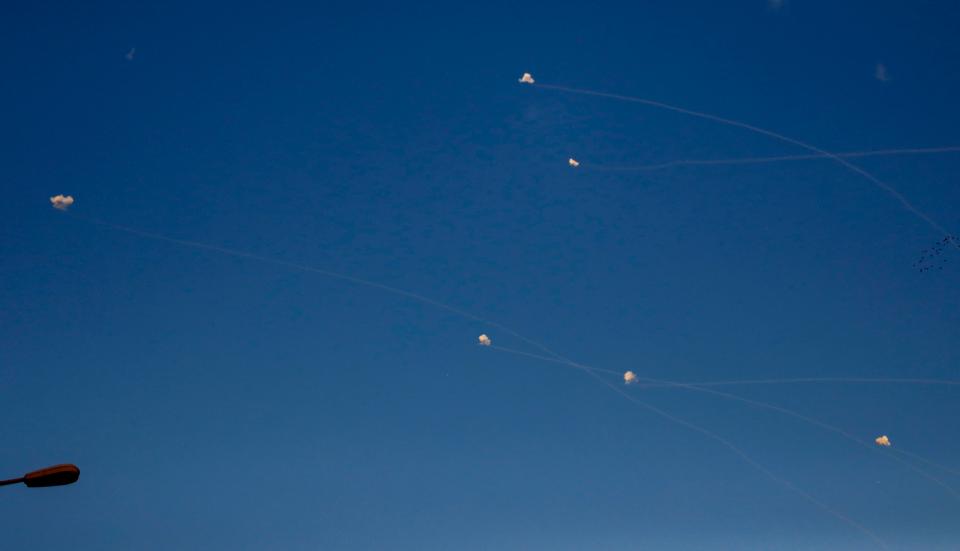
215, 402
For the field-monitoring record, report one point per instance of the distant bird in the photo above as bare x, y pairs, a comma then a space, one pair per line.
935, 256
129, 55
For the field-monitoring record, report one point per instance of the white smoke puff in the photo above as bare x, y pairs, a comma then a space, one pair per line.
527, 78
61, 202
881, 73
882, 440
484, 340
629, 378
573, 162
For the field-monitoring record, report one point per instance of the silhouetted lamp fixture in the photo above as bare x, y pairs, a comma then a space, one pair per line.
58, 475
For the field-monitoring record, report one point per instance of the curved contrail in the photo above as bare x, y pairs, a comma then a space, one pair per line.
426, 300
727, 443
311, 269
772, 159
796, 415
839, 380
853, 380
756, 129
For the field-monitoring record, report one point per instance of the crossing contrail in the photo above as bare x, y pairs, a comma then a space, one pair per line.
762, 131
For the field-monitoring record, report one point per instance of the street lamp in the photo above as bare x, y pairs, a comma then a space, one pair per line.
58, 475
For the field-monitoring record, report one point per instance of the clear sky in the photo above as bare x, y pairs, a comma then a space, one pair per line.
217, 402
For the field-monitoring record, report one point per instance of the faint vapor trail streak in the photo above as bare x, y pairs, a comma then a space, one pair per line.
717, 438
731, 122
768, 160
320, 271
757, 403
426, 300
840, 380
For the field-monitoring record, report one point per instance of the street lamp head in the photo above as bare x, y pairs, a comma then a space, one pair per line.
58, 475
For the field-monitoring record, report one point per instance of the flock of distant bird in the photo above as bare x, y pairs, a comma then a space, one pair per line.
933, 258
